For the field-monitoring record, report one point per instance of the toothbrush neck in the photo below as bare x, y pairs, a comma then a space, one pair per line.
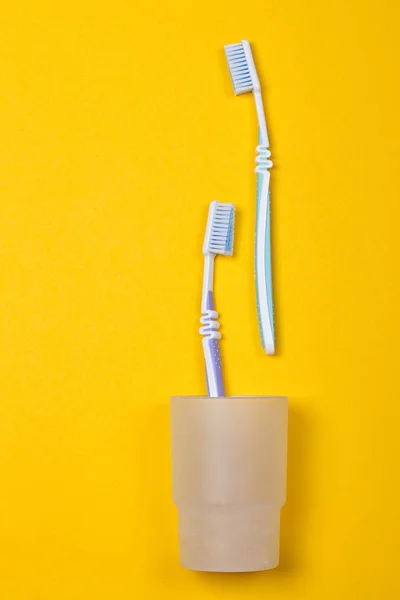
264, 141
208, 280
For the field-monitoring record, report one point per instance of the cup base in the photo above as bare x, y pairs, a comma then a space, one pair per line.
227, 538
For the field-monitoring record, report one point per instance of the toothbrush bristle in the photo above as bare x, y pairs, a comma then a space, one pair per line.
220, 228
239, 67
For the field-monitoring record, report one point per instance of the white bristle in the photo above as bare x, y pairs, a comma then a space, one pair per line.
220, 229
241, 67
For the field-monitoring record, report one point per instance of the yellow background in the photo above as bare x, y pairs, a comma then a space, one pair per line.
118, 126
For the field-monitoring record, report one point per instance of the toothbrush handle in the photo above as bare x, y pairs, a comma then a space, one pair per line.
263, 253
213, 368
209, 330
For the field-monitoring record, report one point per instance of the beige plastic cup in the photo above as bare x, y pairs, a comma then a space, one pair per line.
229, 480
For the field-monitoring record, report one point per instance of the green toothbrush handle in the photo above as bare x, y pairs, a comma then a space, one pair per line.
263, 270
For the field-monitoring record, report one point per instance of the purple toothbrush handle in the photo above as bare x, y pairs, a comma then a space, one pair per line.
216, 359
215, 353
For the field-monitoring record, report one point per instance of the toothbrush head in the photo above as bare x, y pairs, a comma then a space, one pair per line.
242, 68
220, 229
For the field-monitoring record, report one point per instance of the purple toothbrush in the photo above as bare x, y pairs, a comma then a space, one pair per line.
218, 240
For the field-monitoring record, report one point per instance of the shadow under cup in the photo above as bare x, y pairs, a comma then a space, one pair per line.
229, 480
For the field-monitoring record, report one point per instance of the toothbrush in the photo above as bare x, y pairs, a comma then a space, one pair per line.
244, 78
218, 240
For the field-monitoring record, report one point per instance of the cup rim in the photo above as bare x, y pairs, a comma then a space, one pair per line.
237, 397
